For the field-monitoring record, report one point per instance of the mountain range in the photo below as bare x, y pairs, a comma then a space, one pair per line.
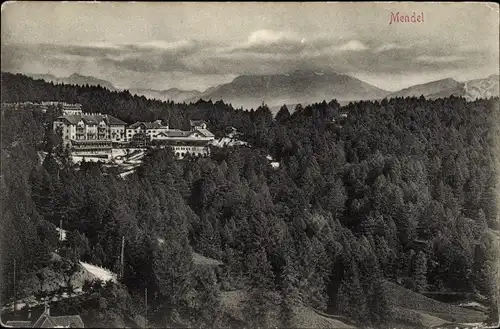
472, 89
173, 94
75, 79
304, 87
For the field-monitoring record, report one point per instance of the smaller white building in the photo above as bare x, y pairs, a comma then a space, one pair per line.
149, 129
194, 142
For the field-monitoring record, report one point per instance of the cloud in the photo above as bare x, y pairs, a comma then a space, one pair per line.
388, 47
272, 37
353, 45
260, 52
269, 41
161, 45
439, 59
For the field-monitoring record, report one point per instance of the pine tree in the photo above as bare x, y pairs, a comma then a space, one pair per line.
206, 305
485, 274
261, 280
171, 271
282, 115
420, 272
289, 292
351, 297
209, 240
380, 308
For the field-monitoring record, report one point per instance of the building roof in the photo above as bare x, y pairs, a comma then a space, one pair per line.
71, 118
115, 121
205, 132
66, 321
183, 142
148, 125
73, 321
91, 119
196, 122
175, 133
19, 324
44, 321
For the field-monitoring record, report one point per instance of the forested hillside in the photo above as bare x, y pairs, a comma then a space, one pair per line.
19, 88
401, 190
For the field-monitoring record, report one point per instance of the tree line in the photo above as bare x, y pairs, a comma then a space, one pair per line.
400, 190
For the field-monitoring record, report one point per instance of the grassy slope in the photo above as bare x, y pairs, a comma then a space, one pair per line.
416, 318
304, 317
416, 308
410, 308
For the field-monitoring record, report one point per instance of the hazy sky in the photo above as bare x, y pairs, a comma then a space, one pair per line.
198, 45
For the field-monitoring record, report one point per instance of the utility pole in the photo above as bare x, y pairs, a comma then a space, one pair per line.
60, 230
146, 307
122, 259
15, 292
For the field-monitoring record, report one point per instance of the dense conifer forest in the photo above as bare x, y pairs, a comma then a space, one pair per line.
400, 190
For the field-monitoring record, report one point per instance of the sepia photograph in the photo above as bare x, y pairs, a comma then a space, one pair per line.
250, 165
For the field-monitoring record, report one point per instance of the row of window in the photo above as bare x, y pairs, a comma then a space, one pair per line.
181, 154
80, 137
94, 147
184, 148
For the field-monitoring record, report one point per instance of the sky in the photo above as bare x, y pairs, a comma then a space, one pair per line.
198, 45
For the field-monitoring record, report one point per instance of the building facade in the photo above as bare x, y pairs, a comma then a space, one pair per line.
150, 129
193, 148
194, 142
68, 108
90, 133
72, 112
183, 142
95, 135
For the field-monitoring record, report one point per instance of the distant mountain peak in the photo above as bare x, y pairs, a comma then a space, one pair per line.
47, 76
177, 90
299, 86
427, 88
472, 89
445, 80
78, 79
171, 94
303, 72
